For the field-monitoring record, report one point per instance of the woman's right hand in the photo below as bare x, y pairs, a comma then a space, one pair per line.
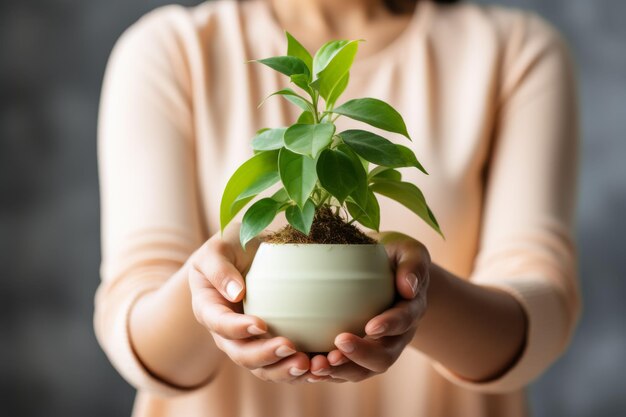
217, 288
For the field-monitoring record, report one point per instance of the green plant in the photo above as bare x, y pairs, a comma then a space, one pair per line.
316, 164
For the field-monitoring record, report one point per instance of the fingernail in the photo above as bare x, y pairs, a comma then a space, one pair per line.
296, 371
284, 351
380, 329
346, 346
340, 361
313, 380
411, 279
233, 288
322, 372
255, 330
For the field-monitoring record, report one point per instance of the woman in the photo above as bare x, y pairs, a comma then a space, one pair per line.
489, 96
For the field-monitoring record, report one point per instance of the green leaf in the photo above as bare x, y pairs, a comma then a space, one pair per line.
301, 219
379, 150
261, 183
295, 49
287, 65
360, 192
338, 90
307, 139
245, 176
257, 218
374, 112
297, 173
306, 117
281, 196
324, 55
337, 173
409, 196
269, 139
384, 173
302, 81
293, 97
368, 217
328, 78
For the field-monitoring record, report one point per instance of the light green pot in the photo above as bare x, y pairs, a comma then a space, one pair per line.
310, 293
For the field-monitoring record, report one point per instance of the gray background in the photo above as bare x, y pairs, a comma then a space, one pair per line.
52, 58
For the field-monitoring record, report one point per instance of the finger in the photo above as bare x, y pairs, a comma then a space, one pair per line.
256, 353
228, 324
371, 354
336, 358
221, 274
352, 372
320, 365
217, 315
411, 260
397, 320
288, 370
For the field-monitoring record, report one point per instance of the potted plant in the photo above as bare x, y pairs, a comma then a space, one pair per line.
320, 275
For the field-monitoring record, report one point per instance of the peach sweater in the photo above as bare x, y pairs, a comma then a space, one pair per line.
488, 95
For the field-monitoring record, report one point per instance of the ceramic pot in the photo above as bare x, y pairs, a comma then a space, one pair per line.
310, 293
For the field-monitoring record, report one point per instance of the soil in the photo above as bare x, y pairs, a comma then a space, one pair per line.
327, 228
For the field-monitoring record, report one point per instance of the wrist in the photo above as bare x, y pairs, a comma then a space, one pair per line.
166, 337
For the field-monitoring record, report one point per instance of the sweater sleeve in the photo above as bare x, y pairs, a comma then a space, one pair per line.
150, 217
527, 243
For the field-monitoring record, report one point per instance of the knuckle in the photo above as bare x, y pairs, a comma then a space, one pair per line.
197, 310
219, 324
219, 246
405, 318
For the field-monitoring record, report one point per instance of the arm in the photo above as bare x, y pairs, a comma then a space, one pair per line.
150, 213
475, 330
163, 314
502, 327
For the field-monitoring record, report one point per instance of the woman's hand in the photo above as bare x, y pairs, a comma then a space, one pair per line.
217, 288
391, 331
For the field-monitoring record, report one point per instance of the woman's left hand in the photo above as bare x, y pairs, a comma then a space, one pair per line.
358, 358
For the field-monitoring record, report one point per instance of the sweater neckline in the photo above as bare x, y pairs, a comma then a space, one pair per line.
416, 27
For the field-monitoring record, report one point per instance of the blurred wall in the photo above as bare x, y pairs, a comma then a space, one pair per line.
52, 58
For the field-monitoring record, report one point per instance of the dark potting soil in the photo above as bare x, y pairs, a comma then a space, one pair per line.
327, 228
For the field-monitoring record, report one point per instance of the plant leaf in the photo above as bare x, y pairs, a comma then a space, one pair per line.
269, 139
368, 217
379, 150
374, 112
293, 97
338, 90
287, 65
297, 173
360, 192
337, 173
281, 196
307, 139
306, 117
301, 219
257, 218
333, 73
245, 176
409, 196
302, 81
295, 49
261, 183
325, 54
384, 173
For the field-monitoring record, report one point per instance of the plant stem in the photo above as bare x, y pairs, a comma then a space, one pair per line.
325, 196
316, 117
